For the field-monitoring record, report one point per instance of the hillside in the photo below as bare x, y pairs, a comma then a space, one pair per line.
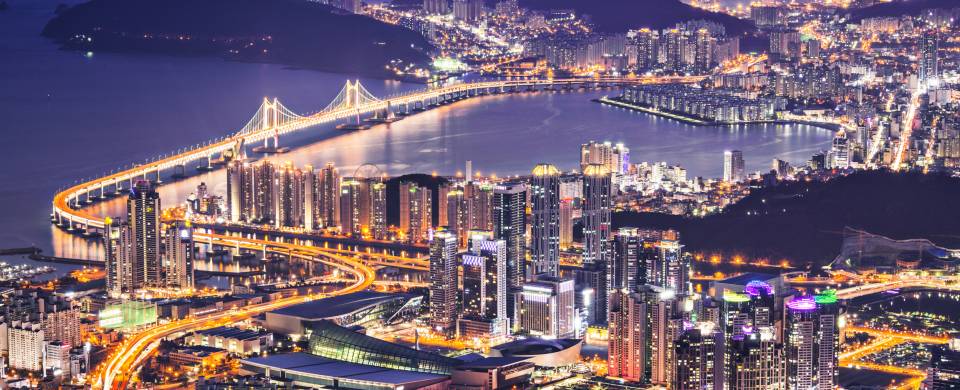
291, 32
804, 221
900, 8
622, 15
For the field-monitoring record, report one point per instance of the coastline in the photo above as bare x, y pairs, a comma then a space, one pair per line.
698, 122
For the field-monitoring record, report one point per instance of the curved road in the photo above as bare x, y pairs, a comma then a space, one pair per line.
116, 371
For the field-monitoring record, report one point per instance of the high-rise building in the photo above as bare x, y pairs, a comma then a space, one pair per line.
436, 7
416, 217
235, 188
443, 282
697, 354
263, 184
310, 212
765, 16
26, 347
143, 215
616, 158
944, 371
625, 271
469, 11
509, 225
547, 308
457, 220
566, 223
328, 196
178, 254
812, 341
355, 205
485, 287
545, 197
704, 47
753, 358
289, 200
733, 166
641, 332
479, 206
664, 263
596, 213
929, 56
57, 358
378, 209
118, 254
839, 155
626, 336
646, 41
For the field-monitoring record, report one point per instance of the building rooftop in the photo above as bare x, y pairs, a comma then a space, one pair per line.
535, 346
319, 366
232, 333
748, 277
336, 305
491, 362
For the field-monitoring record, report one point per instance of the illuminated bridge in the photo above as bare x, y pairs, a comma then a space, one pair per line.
273, 119
929, 282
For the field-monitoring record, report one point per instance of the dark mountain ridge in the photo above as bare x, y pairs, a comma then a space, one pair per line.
614, 16
291, 32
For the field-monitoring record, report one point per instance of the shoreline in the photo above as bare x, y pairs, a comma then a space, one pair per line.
698, 122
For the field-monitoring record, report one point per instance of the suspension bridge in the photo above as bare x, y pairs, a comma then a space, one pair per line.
272, 120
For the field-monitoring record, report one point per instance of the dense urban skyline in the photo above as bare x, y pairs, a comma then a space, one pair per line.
323, 247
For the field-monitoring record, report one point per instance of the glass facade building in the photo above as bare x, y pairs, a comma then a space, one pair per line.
335, 342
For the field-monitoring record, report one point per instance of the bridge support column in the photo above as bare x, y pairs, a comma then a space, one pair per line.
158, 176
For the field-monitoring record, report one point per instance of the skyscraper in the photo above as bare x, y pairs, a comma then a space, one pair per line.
733, 166
547, 308
309, 198
178, 255
416, 215
235, 172
616, 158
289, 199
468, 11
566, 223
143, 215
929, 56
378, 209
328, 196
355, 205
443, 282
436, 7
458, 220
484, 288
545, 196
641, 332
812, 341
118, 253
624, 271
626, 336
596, 246
697, 355
664, 263
596, 213
753, 359
509, 225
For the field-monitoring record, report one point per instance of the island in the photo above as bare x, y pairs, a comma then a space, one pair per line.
300, 34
